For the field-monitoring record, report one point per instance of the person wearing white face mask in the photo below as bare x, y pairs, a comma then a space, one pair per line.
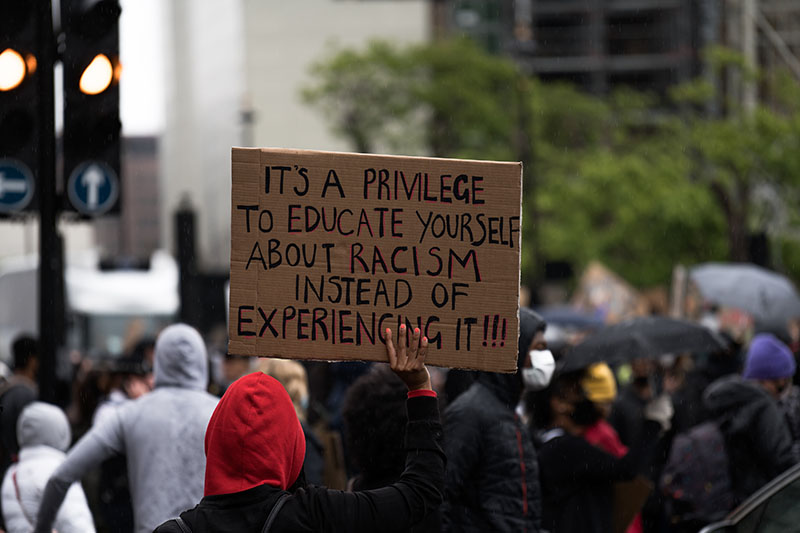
492, 476
542, 365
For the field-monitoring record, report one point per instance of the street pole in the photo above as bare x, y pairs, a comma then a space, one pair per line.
51, 313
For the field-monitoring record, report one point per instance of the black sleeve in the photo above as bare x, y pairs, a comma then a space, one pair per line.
395, 507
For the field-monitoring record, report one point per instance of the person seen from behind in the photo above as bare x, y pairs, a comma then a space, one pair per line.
44, 435
757, 437
374, 416
131, 377
254, 470
160, 433
16, 394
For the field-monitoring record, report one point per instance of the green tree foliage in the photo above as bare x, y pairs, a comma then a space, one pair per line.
736, 152
605, 178
615, 187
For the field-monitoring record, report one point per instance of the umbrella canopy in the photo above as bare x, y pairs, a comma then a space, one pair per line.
650, 336
570, 317
769, 297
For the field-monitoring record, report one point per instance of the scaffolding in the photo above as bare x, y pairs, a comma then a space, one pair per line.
601, 44
646, 44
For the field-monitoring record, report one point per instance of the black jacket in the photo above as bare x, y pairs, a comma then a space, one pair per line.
492, 477
396, 507
756, 434
578, 479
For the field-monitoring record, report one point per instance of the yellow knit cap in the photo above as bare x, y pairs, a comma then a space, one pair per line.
599, 384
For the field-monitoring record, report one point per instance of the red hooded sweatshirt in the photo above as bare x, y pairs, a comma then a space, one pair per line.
253, 438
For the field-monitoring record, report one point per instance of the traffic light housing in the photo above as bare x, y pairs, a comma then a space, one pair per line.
19, 106
92, 126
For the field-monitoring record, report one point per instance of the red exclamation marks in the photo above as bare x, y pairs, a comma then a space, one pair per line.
495, 323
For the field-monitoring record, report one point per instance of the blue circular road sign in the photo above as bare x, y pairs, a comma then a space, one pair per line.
93, 188
16, 186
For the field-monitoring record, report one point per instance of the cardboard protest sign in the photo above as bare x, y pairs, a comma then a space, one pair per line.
330, 249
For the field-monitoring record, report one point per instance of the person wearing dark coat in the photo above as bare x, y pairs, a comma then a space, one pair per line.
15, 395
255, 448
577, 477
757, 437
492, 476
374, 416
627, 413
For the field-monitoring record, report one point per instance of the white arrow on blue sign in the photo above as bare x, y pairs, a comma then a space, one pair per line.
16, 186
93, 188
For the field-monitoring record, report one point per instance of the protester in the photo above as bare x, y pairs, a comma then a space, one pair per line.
600, 387
292, 376
627, 413
757, 437
130, 378
492, 477
577, 477
234, 367
374, 415
161, 434
17, 393
44, 435
255, 447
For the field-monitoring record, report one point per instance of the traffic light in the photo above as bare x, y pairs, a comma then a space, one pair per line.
91, 105
19, 106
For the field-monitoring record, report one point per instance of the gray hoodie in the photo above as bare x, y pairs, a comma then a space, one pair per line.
161, 433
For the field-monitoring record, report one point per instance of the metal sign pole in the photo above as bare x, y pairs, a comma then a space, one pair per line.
51, 309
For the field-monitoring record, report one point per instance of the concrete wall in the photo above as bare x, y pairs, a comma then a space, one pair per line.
285, 38
205, 80
227, 59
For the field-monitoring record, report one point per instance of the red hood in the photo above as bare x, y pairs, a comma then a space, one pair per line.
253, 438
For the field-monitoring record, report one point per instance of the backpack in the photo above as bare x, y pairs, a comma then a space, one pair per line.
696, 477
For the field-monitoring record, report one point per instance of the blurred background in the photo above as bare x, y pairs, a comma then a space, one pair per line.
655, 135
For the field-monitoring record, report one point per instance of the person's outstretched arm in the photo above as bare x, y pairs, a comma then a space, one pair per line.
419, 490
100, 443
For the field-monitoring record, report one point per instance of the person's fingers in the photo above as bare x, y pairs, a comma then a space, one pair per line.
414, 347
390, 349
423, 351
402, 354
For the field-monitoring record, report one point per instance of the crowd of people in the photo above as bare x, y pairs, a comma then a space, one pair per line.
163, 440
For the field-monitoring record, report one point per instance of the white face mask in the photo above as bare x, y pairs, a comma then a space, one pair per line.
538, 376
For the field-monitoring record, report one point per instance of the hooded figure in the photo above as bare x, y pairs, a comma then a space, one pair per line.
492, 476
160, 433
255, 448
254, 438
43, 435
756, 434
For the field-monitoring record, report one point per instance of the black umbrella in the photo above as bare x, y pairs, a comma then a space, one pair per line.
650, 336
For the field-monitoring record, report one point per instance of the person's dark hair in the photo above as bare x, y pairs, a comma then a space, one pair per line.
374, 415
131, 365
24, 349
538, 403
141, 348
